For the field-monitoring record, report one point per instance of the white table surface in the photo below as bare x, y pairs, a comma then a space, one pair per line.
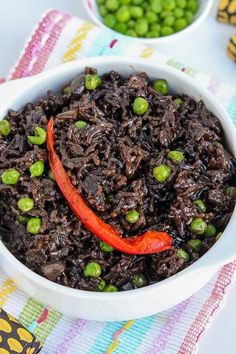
204, 50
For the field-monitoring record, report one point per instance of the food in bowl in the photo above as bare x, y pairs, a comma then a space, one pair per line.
147, 19
144, 169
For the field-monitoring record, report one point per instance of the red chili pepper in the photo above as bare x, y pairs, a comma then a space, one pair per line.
149, 242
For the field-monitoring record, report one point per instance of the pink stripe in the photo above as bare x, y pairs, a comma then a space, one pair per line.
113, 43
47, 49
117, 334
90, 5
24, 62
44, 316
208, 309
160, 342
214, 86
72, 333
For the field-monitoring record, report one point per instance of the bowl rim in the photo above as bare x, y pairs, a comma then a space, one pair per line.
201, 263
158, 40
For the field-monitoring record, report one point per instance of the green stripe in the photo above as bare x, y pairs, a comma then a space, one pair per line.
177, 65
46, 327
31, 311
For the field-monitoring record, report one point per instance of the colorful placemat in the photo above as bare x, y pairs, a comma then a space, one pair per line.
59, 38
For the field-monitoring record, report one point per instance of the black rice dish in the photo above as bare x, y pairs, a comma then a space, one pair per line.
159, 164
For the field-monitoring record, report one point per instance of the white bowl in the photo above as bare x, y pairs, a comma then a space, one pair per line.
134, 303
204, 10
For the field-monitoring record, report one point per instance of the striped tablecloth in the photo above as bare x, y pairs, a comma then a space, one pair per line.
59, 38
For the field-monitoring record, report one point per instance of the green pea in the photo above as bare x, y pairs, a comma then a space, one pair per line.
179, 103
110, 288
169, 21
151, 16
112, 5
67, 90
198, 226
161, 173
125, 2
123, 14
165, 14
166, 31
92, 269
231, 192
140, 106
180, 24
34, 225
161, 86
210, 231
152, 34
193, 6
109, 20
178, 13
136, 11
80, 124
103, 10
10, 176
168, 5
195, 245
181, 4
132, 216
120, 27
100, 2
181, 253
92, 81
37, 169
131, 33
199, 203
155, 27
105, 247
141, 26
5, 127
176, 156
156, 6
51, 175
101, 286
218, 236
25, 204
189, 16
39, 138
139, 280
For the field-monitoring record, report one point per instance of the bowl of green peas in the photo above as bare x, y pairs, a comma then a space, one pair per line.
149, 21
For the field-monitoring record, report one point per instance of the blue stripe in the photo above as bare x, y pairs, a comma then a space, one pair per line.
232, 109
101, 45
131, 339
119, 48
104, 339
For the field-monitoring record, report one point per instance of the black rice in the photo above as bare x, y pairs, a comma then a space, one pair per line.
110, 162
